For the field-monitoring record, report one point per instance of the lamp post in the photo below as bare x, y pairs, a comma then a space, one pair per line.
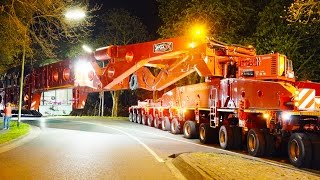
75, 14
22, 75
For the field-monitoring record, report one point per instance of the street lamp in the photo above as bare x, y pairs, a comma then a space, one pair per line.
87, 48
75, 14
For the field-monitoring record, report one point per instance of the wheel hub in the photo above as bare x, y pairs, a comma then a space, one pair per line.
202, 133
252, 142
294, 150
187, 130
222, 137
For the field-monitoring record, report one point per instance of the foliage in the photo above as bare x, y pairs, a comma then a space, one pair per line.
119, 27
225, 20
36, 27
304, 11
262, 23
299, 42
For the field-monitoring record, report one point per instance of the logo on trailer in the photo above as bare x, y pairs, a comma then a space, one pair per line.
163, 47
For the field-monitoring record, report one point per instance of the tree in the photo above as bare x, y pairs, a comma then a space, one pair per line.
304, 11
31, 26
119, 27
35, 27
225, 20
229, 21
253, 22
298, 41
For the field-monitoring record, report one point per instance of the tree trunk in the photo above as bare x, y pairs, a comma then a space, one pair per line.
115, 104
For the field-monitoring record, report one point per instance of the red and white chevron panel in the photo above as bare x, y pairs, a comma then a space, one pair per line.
306, 99
317, 101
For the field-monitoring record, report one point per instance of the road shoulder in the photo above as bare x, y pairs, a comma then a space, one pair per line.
34, 132
224, 166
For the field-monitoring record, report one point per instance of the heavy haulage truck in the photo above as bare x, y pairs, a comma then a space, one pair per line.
246, 100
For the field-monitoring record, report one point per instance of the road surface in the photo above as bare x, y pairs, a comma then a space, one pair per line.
108, 149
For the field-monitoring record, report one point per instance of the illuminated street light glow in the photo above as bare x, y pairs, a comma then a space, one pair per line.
75, 14
199, 31
86, 48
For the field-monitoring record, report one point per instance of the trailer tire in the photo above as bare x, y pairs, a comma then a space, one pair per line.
226, 138
315, 141
165, 125
130, 117
300, 150
204, 133
190, 130
156, 122
175, 127
144, 119
256, 143
150, 120
134, 117
237, 134
139, 118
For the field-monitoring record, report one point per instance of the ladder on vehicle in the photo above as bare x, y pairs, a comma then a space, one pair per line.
213, 102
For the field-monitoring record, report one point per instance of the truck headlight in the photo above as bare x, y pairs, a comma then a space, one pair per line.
286, 116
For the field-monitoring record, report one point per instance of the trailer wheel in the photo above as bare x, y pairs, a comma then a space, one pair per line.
256, 143
144, 119
130, 117
134, 117
315, 142
300, 150
139, 117
175, 127
165, 125
205, 136
226, 138
150, 120
156, 122
190, 130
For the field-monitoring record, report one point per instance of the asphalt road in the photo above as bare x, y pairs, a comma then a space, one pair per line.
96, 149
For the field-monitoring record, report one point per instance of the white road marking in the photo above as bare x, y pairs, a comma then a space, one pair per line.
131, 136
209, 147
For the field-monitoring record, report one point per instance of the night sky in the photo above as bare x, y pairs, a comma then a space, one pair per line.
146, 10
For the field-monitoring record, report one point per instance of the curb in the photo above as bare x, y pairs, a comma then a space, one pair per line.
191, 169
34, 132
175, 171
188, 169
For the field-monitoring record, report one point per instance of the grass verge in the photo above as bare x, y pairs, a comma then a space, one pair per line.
14, 132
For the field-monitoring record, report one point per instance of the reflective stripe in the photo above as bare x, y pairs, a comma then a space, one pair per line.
33, 105
306, 99
317, 101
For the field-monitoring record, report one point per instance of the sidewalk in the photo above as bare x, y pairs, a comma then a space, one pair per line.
223, 166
